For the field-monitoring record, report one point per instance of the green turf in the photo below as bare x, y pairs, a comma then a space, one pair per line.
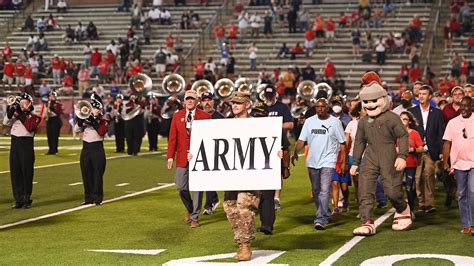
154, 221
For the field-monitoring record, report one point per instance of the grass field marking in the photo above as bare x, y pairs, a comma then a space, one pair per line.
391, 259
349, 245
75, 184
151, 252
259, 257
122, 184
76, 162
46, 216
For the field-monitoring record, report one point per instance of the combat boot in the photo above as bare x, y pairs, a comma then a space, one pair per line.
245, 253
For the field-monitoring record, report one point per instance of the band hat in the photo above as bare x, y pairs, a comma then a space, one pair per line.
54, 93
190, 94
26, 96
96, 104
96, 97
119, 96
207, 95
241, 97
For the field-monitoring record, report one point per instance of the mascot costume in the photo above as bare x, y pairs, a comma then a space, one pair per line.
376, 138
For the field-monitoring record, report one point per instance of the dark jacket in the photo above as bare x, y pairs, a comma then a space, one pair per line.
433, 135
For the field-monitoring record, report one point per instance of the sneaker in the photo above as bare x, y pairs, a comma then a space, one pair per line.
466, 230
358, 216
318, 226
335, 211
421, 209
345, 206
215, 205
277, 204
207, 211
430, 209
195, 224
382, 206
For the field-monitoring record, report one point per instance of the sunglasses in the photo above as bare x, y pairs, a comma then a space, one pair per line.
464, 134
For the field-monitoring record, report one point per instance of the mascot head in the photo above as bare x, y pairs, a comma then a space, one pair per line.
374, 99
369, 77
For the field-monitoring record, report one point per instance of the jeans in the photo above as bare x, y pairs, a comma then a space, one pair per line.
410, 186
465, 180
321, 187
303, 26
381, 198
57, 76
253, 64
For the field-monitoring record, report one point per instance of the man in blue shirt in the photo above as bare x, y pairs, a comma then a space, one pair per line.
325, 136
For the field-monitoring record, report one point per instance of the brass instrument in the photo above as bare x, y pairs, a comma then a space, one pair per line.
298, 111
12, 100
261, 92
83, 109
171, 106
202, 86
307, 89
324, 87
224, 88
244, 85
140, 84
173, 84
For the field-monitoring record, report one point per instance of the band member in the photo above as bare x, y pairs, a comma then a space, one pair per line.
134, 127
153, 115
212, 198
92, 158
178, 145
269, 199
23, 125
119, 124
54, 123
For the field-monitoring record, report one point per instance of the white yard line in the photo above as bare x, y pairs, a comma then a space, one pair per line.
122, 184
75, 184
349, 245
76, 162
46, 216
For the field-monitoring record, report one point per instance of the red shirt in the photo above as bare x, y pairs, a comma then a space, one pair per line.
319, 23
169, 42
68, 81
28, 72
414, 74
443, 87
416, 23
199, 68
219, 32
55, 64
137, 69
449, 113
19, 70
7, 52
96, 57
414, 141
330, 25
110, 58
309, 35
103, 66
297, 50
329, 70
454, 25
8, 69
343, 19
464, 65
404, 71
233, 31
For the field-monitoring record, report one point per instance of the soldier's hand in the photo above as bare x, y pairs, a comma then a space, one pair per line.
294, 158
400, 164
353, 171
169, 165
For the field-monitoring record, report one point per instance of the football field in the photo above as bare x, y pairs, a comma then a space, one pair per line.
141, 222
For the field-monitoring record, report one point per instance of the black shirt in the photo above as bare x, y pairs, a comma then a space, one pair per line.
217, 115
280, 109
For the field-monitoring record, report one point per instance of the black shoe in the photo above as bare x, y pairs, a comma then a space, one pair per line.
319, 226
98, 204
17, 205
86, 203
27, 205
49, 153
265, 230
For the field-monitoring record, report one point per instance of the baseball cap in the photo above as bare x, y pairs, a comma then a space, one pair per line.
270, 91
207, 95
190, 94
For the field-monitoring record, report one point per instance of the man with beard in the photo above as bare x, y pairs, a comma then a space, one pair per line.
212, 199
406, 102
458, 142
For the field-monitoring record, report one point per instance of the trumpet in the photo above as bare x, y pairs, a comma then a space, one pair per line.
83, 109
12, 100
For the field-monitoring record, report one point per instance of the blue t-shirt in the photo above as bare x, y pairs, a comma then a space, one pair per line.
323, 138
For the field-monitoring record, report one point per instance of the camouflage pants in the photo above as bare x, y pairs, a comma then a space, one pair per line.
239, 208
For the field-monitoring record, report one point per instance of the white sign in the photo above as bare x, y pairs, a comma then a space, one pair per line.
235, 154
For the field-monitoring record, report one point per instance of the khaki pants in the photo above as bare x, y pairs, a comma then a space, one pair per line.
425, 180
83, 87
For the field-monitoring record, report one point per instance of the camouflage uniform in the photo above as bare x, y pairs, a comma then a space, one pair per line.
239, 207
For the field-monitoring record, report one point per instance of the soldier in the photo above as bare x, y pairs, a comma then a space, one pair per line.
134, 127
153, 114
92, 158
23, 125
119, 124
54, 123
